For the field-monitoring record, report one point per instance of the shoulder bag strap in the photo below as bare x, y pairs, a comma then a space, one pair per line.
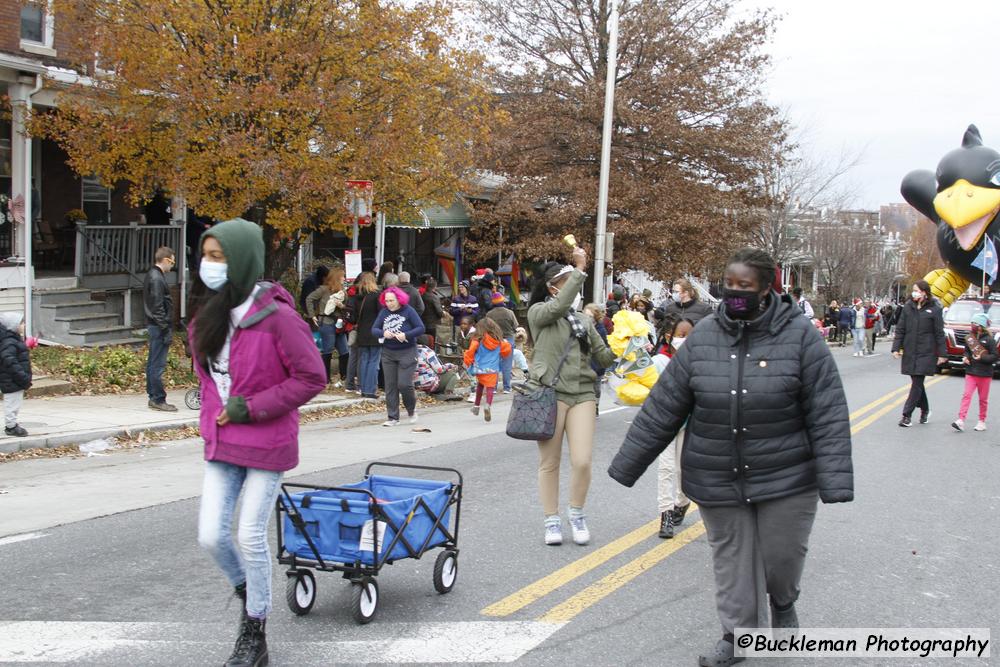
562, 361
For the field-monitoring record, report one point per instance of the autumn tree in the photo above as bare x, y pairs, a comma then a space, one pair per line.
691, 128
922, 254
264, 107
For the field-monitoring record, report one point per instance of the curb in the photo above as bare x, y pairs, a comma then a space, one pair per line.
12, 445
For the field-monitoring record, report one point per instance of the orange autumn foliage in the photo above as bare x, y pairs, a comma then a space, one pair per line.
271, 105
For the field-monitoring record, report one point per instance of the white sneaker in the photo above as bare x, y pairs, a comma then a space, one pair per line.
581, 534
413, 418
471, 398
391, 422
980, 426
553, 534
506, 391
959, 425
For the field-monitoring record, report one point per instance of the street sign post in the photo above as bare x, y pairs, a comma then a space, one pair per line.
360, 202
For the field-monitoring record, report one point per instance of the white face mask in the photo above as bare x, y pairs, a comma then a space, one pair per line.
676, 296
213, 274
916, 295
677, 342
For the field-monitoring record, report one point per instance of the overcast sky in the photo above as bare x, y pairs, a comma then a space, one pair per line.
900, 80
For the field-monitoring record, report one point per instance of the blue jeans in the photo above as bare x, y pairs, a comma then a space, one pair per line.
859, 340
507, 365
368, 367
333, 341
156, 362
252, 563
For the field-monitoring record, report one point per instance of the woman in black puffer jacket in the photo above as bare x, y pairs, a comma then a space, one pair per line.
767, 437
921, 343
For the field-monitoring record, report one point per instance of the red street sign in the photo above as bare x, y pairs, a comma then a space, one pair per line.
359, 202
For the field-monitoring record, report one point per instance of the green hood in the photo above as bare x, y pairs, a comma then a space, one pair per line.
243, 243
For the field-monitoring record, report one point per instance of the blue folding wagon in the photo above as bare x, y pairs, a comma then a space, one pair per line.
357, 528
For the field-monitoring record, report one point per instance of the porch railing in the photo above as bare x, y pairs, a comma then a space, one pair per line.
116, 256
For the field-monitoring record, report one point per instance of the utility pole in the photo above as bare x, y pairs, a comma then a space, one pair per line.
609, 113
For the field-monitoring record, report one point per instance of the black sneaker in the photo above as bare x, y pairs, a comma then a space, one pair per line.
666, 525
905, 421
251, 646
677, 516
925, 416
17, 430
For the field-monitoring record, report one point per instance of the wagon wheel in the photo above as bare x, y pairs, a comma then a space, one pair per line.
192, 399
364, 600
445, 571
300, 591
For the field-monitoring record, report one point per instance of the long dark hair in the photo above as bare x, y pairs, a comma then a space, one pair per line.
540, 288
210, 313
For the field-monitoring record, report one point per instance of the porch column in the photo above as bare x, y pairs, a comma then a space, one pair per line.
20, 183
20, 143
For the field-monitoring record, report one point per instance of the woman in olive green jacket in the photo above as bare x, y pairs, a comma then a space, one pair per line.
554, 321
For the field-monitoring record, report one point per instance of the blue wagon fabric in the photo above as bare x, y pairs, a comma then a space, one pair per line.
335, 520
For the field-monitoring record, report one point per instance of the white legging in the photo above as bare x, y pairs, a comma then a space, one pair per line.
668, 487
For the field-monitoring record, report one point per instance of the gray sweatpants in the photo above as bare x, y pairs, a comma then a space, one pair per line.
11, 406
758, 550
398, 367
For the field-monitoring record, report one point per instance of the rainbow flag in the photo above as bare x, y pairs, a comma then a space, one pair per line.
512, 271
450, 259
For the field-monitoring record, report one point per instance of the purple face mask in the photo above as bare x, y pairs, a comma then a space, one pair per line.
740, 303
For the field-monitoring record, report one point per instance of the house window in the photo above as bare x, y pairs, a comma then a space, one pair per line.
33, 23
96, 201
38, 28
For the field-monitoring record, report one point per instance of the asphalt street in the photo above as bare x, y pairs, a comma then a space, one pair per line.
917, 548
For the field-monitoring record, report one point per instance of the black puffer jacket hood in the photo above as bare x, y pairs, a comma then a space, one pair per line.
765, 411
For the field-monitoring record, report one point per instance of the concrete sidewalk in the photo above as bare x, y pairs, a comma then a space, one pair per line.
72, 420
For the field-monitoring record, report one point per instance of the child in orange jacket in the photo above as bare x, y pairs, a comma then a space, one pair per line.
482, 359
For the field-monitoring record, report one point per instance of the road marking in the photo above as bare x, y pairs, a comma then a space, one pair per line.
870, 419
874, 404
620, 407
23, 537
58, 642
568, 573
568, 610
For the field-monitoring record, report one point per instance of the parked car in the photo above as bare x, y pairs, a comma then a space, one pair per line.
958, 323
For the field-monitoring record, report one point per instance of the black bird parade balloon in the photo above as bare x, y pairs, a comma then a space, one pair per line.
963, 200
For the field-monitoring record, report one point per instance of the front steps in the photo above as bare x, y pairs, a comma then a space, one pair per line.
72, 317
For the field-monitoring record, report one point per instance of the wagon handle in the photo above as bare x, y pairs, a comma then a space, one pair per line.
385, 464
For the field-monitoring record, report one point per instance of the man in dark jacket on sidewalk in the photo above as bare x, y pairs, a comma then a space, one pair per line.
159, 307
768, 436
433, 310
416, 301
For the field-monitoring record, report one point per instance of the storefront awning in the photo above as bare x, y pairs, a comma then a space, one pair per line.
455, 216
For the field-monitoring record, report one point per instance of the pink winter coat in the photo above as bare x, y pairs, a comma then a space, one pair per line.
275, 366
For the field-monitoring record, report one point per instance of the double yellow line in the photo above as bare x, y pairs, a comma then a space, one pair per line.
577, 604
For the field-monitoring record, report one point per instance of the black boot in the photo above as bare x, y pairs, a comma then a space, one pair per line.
666, 525
342, 360
251, 645
678, 514
327, 358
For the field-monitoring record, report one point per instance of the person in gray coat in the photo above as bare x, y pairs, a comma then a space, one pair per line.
921, 345
768, 436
